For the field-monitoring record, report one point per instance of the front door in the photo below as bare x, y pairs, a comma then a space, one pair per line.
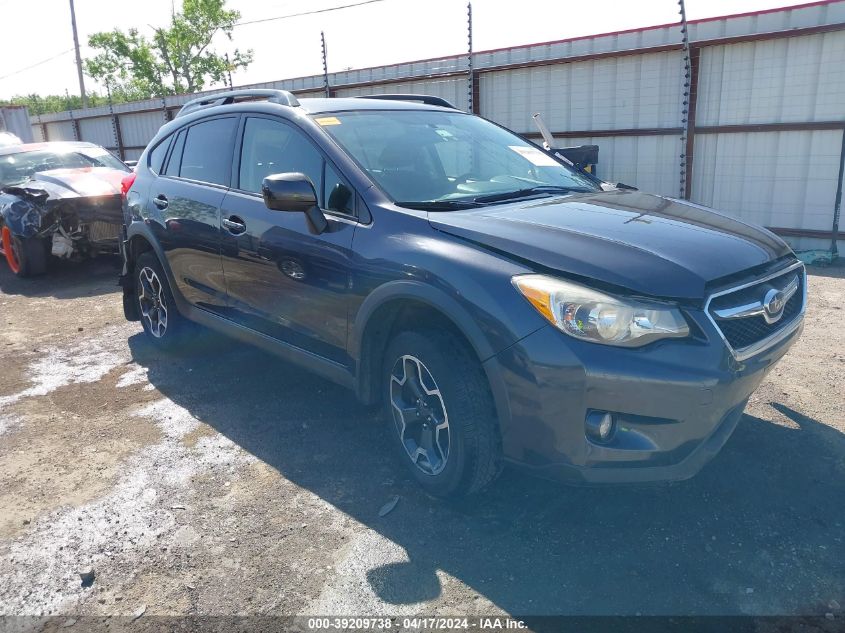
282, 278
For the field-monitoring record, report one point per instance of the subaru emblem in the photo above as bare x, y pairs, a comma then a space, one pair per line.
773, 303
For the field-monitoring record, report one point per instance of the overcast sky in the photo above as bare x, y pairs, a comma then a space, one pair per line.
384, 32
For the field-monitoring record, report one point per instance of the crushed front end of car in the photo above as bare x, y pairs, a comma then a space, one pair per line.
74, 213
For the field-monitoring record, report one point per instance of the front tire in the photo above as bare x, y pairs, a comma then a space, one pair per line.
160, 317
440, 413
27, 256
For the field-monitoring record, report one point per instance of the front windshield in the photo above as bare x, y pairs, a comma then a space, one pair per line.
17, 168
432, 157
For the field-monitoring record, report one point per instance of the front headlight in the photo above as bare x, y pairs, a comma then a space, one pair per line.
590, 315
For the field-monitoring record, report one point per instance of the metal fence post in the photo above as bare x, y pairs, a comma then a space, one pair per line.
687, 110
472, 76
74, 124
326, 86
689, 130
115, 126
837, 205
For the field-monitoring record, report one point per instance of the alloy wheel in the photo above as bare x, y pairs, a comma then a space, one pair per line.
419, 414
151, 301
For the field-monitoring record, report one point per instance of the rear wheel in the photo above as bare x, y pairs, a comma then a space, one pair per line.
440, 413
26, 256
159, 316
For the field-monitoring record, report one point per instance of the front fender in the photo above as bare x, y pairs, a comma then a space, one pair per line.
23, 217
449, 307
425, 293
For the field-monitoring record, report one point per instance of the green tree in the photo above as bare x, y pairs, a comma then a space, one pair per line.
176, 59
37, 104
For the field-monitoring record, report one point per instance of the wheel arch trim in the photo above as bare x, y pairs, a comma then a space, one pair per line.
141, 230
449, 307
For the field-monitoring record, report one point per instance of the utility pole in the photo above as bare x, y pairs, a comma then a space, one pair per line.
78, 57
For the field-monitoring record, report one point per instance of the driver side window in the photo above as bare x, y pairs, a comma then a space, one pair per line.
272, 147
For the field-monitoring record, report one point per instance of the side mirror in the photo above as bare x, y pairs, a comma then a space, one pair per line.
293, 191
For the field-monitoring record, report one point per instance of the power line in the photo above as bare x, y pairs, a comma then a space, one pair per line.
296, 15
43, 61
258, 21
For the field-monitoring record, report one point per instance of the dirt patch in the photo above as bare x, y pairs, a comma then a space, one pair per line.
61, 456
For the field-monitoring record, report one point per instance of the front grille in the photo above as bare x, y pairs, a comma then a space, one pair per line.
741, 333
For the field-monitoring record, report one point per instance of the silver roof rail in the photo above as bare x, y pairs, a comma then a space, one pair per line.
426, 99
282, 97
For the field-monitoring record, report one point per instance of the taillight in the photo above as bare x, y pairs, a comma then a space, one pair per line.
126, 183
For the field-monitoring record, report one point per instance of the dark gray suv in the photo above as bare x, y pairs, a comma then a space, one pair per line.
500, 304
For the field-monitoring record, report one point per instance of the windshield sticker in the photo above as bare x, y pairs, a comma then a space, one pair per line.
535, 156
328, 120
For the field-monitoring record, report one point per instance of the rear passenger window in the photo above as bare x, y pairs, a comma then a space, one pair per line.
207, 156
157, 155
175, 160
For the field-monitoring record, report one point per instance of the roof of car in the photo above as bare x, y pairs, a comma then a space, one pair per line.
344, 104
54, 145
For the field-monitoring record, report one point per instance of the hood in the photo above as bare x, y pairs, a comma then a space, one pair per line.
86, 182
61, 184
645, 243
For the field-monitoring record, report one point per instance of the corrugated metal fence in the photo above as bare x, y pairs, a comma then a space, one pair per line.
766, 109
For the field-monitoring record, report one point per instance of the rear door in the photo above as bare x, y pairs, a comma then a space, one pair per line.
186, 198
283, 279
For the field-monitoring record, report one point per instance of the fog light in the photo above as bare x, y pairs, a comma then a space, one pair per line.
600, 426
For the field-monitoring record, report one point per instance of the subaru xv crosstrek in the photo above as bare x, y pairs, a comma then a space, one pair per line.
499, 304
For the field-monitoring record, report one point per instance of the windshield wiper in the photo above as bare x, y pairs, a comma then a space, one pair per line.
530, 191
439, 205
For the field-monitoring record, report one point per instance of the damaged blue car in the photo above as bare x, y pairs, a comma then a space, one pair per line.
60, 199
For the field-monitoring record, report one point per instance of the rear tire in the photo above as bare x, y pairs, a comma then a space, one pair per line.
440, 413
27, 256
160, 317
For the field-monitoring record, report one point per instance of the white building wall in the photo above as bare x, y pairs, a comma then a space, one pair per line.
138, 128
796, 79
454, 90
633, 91
780, 179
60, 131
98, 130
646, 162
37, 133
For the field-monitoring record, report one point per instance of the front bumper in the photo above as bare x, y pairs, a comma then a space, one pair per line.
676, 402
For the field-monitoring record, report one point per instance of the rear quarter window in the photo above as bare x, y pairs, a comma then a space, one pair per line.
175, 160
157, 155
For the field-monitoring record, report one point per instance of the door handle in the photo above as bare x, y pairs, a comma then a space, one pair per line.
160, 201
235, 225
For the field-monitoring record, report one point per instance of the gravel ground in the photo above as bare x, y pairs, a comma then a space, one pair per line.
223, 482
